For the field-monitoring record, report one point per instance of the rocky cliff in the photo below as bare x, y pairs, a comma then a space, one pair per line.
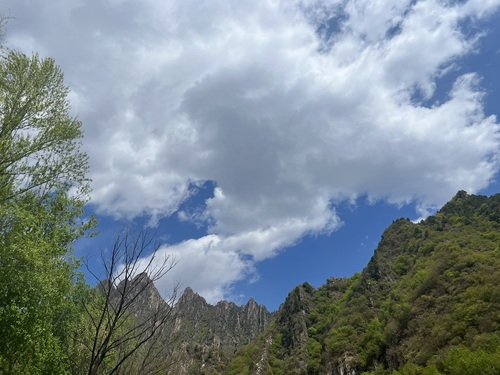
225, 325
199, 337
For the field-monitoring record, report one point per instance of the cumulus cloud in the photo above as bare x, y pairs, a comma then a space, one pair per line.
288, 106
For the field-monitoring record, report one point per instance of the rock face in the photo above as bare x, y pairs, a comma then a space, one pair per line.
225, 325
203, 336
146, 296
196, 335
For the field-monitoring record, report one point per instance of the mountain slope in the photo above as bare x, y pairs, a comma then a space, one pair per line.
427, 302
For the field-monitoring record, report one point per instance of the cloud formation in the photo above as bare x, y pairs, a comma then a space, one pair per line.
288, 106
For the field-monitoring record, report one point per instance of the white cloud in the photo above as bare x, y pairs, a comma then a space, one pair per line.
204, 265
252, 96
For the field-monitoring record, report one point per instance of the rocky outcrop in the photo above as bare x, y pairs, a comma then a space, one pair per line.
225, 325
204, 336
291, 320
196, 335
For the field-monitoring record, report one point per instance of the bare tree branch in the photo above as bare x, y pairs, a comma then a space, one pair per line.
122, 326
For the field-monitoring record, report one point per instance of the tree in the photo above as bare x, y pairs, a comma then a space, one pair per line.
43, 188
126, 315
39, 140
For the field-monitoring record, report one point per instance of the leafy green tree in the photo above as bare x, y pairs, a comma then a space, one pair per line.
462, 361
39, 140
43, 188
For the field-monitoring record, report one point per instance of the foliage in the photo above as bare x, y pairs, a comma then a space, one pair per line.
39, 140
244, 362
462, 361
42, 191
428, 302
51, 322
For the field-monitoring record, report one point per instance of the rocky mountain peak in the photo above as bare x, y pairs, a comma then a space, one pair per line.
189, 296
188, 292
142, 279
225, 325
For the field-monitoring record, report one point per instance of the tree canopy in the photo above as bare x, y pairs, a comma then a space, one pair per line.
51, 321
43, 187
39, 140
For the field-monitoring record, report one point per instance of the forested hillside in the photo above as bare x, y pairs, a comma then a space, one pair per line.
428, 302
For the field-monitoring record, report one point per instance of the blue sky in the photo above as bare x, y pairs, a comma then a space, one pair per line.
270, 143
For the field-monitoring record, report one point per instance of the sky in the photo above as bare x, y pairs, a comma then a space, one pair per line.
269, 143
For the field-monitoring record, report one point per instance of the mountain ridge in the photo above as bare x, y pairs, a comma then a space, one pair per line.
427, 302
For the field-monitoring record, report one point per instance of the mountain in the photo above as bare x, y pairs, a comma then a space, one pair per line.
192, 336
428, 302
201, 338
224, 325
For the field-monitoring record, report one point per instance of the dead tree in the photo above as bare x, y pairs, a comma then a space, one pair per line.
127, 314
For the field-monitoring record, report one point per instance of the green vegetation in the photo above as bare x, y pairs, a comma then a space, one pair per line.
428, 302
51, 321
39, 218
